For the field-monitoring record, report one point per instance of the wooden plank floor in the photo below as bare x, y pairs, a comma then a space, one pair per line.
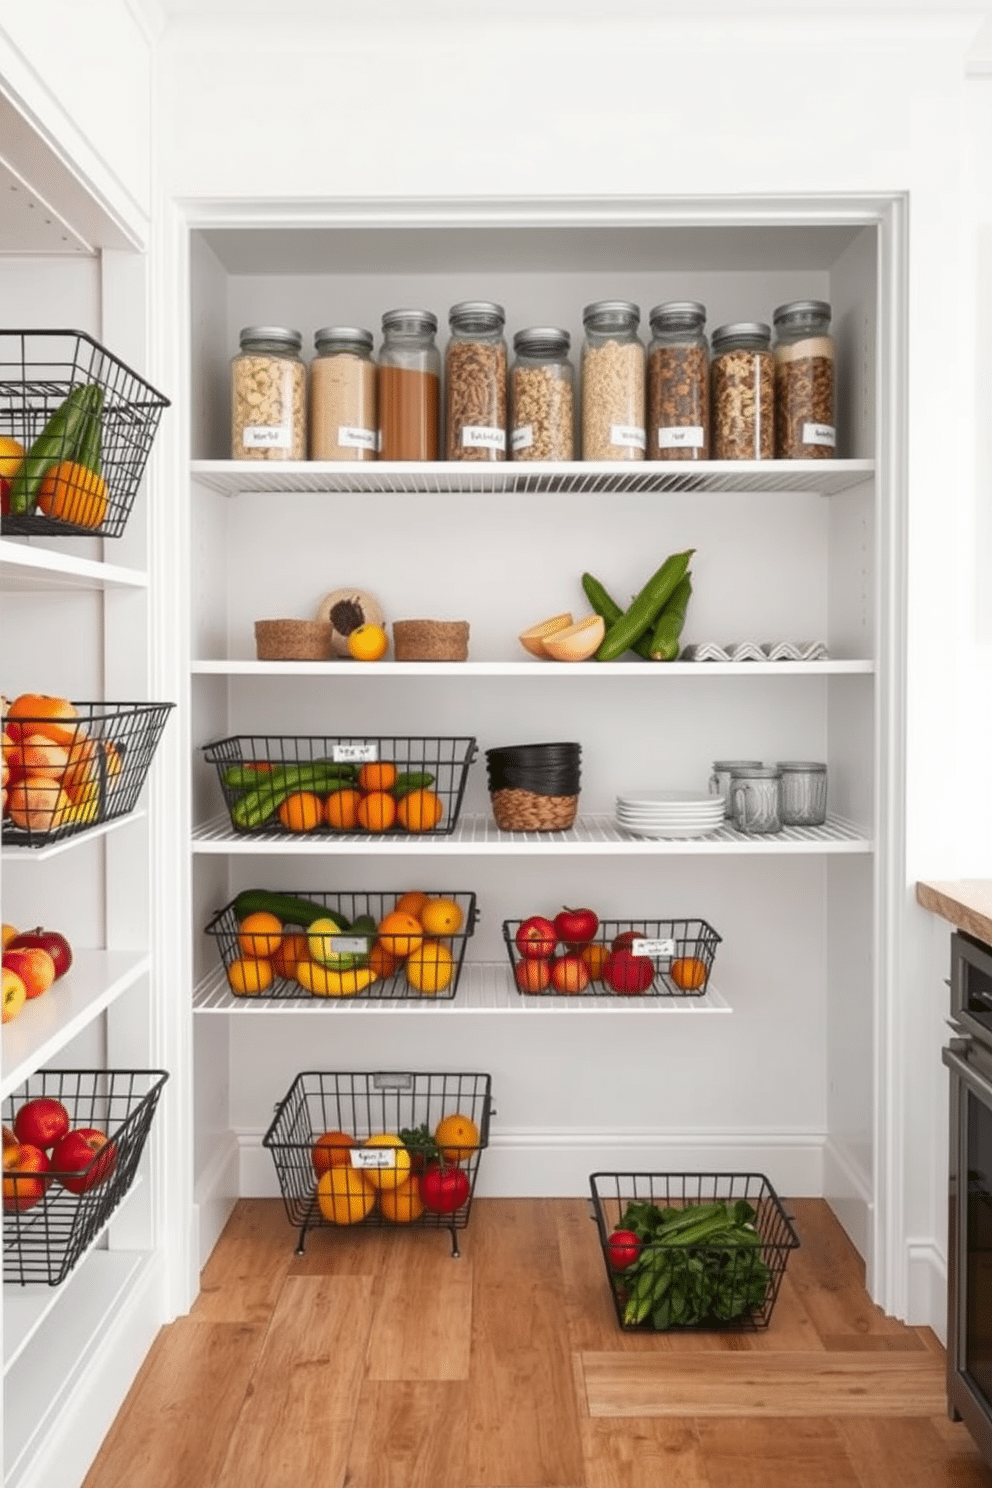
376, 1360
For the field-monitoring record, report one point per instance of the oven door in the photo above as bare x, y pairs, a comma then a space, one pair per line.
969, 1300
971, 986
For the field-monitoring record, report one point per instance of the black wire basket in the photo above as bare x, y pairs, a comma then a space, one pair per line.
397, 1103
725, 1279
257, 968
45, 1236
680, 953
95, 764
115, 415
289, 785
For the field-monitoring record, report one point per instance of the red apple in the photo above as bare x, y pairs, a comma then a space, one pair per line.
625, 939
52, 941
569, 974
9, 1140
24, 1180
624, 972
83, 1159
576, 926
34, 966
41, 1122
532, 976
4, 496
536, 938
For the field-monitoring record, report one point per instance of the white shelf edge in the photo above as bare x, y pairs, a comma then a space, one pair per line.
39, 567
14, 851
640, 670
95, 980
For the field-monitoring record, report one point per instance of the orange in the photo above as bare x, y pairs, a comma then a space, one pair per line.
341, 810
345, 1195
688, 973
376, 812
441, 917
402, 1205
420, 811
457, 1136
38, 804
249, 976
260, 934
398, 1170
37, 754
594, 955
383, 962
411, 903
53, 716
331, 1151
72, 493
368, 643
430, 968
301, 812
293, 949
399, 933
378, 775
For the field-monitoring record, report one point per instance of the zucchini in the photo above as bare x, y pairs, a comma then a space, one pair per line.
292, 909
605, 605
58, 440
645, 607
411, 780
668, 628
255, 807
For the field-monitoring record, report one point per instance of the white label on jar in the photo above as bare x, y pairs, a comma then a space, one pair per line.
628, 435
373, 1157
682, 436
479, 436
267, 436
349, 438
360, 754
652, 948
523, 438
819, 434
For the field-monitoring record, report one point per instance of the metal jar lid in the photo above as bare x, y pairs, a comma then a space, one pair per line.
749, 333
415, 322
542, 341
603, 314
802, 312
477, 315
281, 336
678, 315
337, 338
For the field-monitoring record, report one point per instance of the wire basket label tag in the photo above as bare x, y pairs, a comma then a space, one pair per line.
359, 753
348, 945
653, 948
373, 1157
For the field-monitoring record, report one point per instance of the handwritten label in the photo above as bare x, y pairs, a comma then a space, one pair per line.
628, 436
523, 437
347, 945
653, 948
688, 436
266, 436
355, 753
824, 434
373, 1157
362, 439
479, 436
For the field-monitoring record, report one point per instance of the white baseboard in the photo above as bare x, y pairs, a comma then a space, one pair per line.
218, 1188
926, 1287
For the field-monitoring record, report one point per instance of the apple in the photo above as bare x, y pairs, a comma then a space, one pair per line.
625, 939
24, 1180
34, 966
624, 972
41, 1122
13, 995
5, 485
536, 938
52, 941
9, 1140
576, 926
532, 976
569, 973
84, 1158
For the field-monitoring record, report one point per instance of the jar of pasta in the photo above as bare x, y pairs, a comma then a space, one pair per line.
742, 381
409, 387
541, 396
475, 382
268, 396
343, 421
612, 382
678, 383
804, 381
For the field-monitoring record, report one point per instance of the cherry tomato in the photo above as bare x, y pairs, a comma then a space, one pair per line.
623, 1248
443, 1189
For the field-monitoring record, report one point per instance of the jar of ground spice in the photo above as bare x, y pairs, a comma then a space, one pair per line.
268, 396
612, 382
343, 420
542, 398
475, 382
742, 392
804, 381
409, 387
678, 383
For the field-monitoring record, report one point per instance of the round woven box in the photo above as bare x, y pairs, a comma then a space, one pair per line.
430, 640
293, 640
528, 811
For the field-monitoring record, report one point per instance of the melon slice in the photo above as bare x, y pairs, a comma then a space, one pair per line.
532, 640
576, 642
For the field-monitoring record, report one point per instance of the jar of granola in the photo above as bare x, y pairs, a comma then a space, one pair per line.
612, 382
343, 422
268, 396
804, 381
475, 382
742, 382
541, 395
678, 383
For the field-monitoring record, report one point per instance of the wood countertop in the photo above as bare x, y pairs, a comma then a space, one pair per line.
965, 902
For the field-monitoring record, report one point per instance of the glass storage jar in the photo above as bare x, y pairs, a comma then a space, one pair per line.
742, 382
612, 382
804, 381
475, 382
343, 421
542, 398
678, 383
268, 395
409, 387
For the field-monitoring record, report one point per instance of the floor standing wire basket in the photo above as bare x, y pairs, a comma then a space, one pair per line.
39, 370
364, 1105
44, 1238
708, 1286
681, 953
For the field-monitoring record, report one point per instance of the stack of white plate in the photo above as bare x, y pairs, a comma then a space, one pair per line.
669, 813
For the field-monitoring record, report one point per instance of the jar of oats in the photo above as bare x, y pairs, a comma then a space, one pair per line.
742, 392
804, 381
542, 401
268, 396
678, 383
612, 382
475, 382
409, 387
343, 422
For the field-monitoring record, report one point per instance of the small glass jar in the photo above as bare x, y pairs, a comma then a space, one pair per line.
343, 421
542, 397
475, 382
268, 396
802, 793
612, 382
742, 381
804, 381
678, 383
409, 387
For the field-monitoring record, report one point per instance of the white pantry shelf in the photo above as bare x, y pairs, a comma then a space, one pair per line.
23, 568
18, 851
545, 670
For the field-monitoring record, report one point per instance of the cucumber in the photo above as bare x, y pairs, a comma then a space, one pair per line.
411, 780
292, 909
604, 604
643, 612
667, 631
364, 924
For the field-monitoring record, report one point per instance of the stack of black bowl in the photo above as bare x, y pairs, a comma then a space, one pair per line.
534, 787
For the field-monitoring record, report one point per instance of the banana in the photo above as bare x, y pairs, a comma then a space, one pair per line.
323, 982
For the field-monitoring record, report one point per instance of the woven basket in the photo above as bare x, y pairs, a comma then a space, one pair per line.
430, 640
528, 811
293, 640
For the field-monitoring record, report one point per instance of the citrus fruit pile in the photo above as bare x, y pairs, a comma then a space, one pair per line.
400, 1175
51, 768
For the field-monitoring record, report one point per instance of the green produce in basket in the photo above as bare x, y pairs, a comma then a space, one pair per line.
259, 804
291, 909
61, 439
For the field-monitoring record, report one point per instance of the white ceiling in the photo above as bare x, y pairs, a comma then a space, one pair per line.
324, 12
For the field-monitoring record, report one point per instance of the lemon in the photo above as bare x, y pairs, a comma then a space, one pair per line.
368, 643
11, 455
398, 1169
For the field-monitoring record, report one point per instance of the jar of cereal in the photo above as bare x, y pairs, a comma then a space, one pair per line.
678, 383
743, 392
475, 382
804, 381
268, 396
541, 395
612, 382
343, 423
